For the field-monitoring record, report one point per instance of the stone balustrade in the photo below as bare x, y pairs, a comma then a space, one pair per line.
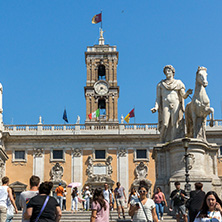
70, 129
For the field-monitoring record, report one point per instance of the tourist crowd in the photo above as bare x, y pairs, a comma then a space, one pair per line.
39, 205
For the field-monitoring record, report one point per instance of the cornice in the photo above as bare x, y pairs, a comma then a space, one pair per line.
83, 138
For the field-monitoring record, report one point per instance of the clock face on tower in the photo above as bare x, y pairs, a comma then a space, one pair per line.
101, 87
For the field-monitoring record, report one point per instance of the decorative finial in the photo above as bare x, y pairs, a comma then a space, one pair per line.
101, 39
40, 120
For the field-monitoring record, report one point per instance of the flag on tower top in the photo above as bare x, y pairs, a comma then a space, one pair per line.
97, 18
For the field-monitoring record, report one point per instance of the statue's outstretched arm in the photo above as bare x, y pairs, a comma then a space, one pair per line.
156, 107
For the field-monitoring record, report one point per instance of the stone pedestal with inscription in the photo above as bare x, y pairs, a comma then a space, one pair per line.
99, 174
170, 165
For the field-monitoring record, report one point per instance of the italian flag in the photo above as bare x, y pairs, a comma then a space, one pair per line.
94, 114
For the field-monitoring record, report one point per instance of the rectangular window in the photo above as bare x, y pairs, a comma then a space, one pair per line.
100, 154
19, 155
141, 154
57, 155
220, 152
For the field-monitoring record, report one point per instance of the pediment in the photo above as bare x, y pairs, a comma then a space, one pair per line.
18, 186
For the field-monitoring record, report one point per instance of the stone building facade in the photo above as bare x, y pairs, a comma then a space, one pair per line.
101, 150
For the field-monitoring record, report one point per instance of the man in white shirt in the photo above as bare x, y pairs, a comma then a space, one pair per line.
5, 192
87, 196
25, 196
107, 194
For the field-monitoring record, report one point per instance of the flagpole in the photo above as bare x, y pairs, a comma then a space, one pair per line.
134, 115
101, 20
64, 120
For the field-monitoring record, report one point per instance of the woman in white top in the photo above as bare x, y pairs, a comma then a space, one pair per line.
211, 209
143, 209
75, 195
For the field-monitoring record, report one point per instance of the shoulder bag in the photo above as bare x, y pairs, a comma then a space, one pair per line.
144, 211
43, 207
162, 201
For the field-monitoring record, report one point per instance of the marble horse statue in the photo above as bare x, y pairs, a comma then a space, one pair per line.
199, 108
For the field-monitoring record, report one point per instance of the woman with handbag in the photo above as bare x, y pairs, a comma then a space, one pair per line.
143, 209
160, 201
42, 207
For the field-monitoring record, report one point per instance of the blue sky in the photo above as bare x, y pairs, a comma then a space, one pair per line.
42, 45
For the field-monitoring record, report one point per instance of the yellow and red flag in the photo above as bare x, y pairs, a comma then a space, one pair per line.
97, 18
129, 115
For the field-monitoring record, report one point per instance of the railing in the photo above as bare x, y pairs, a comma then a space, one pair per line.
81, 129
103, 128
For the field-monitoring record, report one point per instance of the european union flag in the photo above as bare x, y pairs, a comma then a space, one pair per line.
65, 116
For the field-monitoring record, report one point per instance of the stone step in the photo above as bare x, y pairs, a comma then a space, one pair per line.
84, 216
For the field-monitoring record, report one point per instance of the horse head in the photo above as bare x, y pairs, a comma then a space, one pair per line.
201, 76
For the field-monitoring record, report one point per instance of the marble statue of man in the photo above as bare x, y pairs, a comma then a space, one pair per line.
170, 105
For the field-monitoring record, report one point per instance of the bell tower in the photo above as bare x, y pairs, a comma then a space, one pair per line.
101, 90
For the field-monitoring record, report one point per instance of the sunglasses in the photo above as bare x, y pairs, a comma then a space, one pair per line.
142, 191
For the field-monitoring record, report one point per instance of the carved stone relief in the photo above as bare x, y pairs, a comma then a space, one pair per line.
56, 172
109, 167
141, 171
2, 168
38, 152
99, 173
122, 152
76, 152
89, 170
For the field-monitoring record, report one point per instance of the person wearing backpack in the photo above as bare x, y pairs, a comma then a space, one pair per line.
59, 192
196, 201
178, 197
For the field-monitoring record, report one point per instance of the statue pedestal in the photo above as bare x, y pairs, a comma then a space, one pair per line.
170, 165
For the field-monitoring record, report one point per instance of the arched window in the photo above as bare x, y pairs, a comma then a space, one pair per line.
101, 72
102, 107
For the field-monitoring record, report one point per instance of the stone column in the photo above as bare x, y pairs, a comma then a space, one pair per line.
122, 168
38, 163
110, 104
77, 166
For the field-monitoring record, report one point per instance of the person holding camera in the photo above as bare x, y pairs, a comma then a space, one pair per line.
178, 197
143, 209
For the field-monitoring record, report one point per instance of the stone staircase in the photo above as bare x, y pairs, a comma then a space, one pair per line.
84, 216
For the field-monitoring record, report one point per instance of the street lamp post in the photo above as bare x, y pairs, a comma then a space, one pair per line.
188, 166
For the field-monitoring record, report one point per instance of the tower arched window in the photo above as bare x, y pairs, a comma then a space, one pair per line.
102, 107
101, 72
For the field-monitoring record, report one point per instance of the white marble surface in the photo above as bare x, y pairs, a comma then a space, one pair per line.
170, 95
123, 171
38, 168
